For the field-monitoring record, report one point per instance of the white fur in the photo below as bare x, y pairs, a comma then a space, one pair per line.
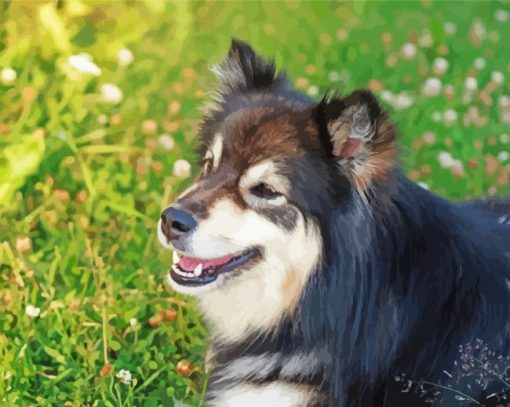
230, 74
162, 238
300, 364
229, 229
254, 366
265, 171
274, 394
217, 150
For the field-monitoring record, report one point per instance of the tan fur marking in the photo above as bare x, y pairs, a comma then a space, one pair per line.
292, 287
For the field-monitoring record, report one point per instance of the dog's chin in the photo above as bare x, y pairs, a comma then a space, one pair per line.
194, 276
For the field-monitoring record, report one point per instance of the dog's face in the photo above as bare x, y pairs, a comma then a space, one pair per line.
272, 163
246, 217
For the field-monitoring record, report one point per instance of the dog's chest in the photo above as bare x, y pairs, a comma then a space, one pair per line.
276, 393
269, 378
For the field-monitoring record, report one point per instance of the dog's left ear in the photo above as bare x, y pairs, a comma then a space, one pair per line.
360, 136
244, 70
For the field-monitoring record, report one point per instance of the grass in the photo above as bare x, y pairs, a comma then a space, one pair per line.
85, 170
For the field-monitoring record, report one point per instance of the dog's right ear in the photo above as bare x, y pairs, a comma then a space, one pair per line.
244, 70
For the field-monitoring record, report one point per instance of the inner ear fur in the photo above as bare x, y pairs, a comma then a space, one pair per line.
360, 135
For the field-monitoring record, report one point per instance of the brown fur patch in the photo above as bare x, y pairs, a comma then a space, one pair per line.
262, 133
382, 157
292, 288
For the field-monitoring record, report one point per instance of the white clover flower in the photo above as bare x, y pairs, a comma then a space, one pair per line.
7, 76
403, 101
471, 83
408, 50
501, 16
503, 155
450, 116
480, 63
334, 76
498, 77
166, 141
445, 159
111, 93
124, 376
84, 64
441, 65
124, 57
432, 87
313, 90
504, 138
32, 311
450, 28
424, 185
133, 322
387, 96
182, 168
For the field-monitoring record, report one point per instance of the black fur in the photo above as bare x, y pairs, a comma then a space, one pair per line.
405, 279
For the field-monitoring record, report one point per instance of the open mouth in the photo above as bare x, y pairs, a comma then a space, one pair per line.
192, 271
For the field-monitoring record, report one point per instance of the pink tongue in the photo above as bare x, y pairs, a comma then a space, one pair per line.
189, 263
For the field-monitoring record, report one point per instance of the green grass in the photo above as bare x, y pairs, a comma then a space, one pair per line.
82, 181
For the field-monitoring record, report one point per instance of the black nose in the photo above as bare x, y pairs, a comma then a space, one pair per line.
176, 222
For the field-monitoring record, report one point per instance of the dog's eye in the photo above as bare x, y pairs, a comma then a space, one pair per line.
264, 191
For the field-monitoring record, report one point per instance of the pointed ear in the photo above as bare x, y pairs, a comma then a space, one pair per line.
242, 69
361, 137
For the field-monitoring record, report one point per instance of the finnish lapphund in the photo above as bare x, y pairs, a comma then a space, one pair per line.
326, 276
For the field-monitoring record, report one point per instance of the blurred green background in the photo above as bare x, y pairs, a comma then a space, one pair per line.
99, 106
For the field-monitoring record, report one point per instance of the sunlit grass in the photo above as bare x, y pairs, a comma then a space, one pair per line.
99, 105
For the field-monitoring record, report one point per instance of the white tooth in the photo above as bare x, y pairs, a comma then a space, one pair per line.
176, 257
198, 270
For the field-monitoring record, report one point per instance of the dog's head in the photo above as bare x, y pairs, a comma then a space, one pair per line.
274, 163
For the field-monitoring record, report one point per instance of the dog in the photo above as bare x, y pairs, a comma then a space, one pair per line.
326, 276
